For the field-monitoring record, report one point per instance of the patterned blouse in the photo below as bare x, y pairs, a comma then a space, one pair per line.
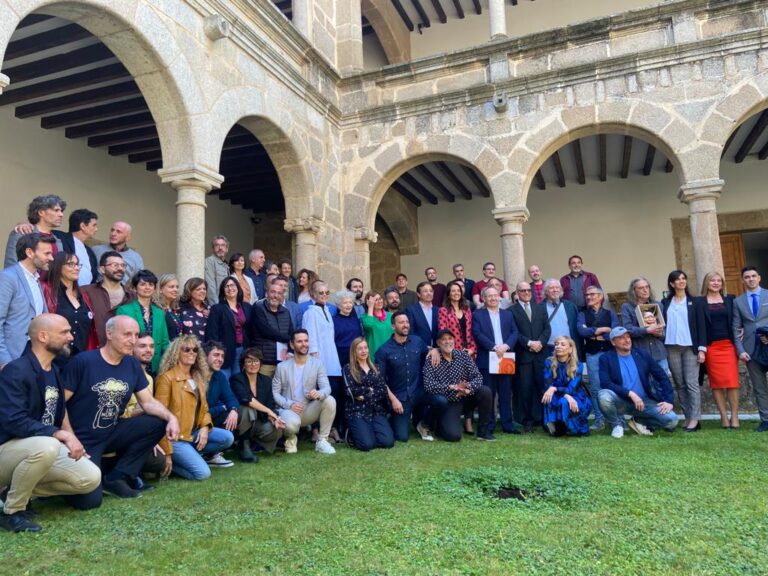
447, 320
437, 379
193, 321
368, 398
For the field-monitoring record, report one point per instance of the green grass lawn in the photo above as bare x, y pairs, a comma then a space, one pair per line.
672, 504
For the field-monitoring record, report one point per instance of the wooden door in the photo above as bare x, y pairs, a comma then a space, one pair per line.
732, 247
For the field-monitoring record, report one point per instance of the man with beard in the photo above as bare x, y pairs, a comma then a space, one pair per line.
356, 286
407, 296
392, 300
97, 387
39, 454
108, 292
21, 297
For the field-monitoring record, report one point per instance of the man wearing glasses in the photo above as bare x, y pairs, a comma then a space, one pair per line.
489, 271
108, 292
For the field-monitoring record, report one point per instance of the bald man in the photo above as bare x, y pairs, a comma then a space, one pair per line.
120, 233
39, 453
97, 387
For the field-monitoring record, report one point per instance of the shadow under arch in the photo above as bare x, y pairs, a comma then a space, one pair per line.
144, 44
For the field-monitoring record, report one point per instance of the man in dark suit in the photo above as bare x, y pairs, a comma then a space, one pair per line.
530, 353
495, 332
750, 311
423, 315
83, 225
625, 380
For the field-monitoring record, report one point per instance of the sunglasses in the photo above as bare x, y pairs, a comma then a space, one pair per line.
188, 349
324, 293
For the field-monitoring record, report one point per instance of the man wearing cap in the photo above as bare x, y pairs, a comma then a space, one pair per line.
458, 384
625, 388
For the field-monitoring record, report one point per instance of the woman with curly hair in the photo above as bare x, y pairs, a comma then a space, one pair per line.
566, 403
305, 279
194, 308
181, 387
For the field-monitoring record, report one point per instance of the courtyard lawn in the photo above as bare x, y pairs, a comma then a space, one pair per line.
672, 504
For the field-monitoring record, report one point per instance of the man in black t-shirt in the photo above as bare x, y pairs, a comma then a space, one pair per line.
98, 385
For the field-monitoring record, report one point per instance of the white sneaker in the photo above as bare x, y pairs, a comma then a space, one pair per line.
641, 429
290, 445
424, 432
218, 461
618, 431
324, 447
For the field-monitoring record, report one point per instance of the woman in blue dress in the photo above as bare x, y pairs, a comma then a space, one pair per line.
566, 402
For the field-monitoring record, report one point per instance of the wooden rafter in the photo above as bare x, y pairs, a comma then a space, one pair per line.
669, 167
403, 15
406, 194
627, 156
59, 63
414, 184
422, 13
445, 170
79, 99
650, 154
111, 125
459, 9
752, 137
559, 169
103, 112
441, 15
65, 84
539, 179
481, 187
124, 137
601, 139
435, 183
730, 141
478, 7
576, 146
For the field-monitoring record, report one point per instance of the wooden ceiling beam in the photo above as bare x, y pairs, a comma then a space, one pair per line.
435, 183
65, 84
627, 156
454, 180
59, 63
752, 137
105, 111
441, 15
418, 187
406, 194
459, 8
31, 20
45, 41
403, 15
79, 99
123, 137
422, 13
669, 167
133, 147
559, 169
154, 166
650, 154
478, 7
576, 147
481, 187
112, 125
601, 140
145, 157
539, 179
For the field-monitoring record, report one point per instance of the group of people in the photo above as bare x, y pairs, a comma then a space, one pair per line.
110, 373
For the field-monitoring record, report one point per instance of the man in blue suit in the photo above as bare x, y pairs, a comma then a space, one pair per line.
495, 332
21, 297
423, 315
626, 387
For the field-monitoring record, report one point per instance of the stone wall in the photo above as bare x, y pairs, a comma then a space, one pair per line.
385, 258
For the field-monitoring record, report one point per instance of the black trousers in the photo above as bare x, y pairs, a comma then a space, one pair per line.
450, 424
530, 389
369, 434
132, 439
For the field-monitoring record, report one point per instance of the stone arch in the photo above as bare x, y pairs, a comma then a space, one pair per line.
390, 29
725, 116
144, 42
267, 120
657, 126
397, 158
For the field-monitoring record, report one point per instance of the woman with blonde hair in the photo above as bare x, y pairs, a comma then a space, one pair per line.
368, 400
167, 297
566, 402
181, 387
720, 359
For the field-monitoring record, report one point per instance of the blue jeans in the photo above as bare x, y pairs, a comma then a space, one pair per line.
614, 408
418, 407
593, 368
189, 463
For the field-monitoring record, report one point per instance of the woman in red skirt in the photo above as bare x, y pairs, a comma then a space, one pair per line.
721, 359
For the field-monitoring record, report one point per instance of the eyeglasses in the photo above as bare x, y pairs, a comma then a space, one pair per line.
524, 290
74, 265
188, 349
114, 265
252, 361
324, 293
590, 294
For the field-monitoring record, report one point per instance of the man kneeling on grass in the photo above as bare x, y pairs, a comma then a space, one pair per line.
39, 454
301, 389
456, 386
626, 387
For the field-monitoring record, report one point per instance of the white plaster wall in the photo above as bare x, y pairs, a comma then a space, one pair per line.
620, 227
525, 18
34, 161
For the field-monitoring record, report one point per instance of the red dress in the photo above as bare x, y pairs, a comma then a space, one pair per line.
447, 320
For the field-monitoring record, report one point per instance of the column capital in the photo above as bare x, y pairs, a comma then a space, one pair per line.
191, 175
365, 233
511, 215
4, 81
700, 190
296, 225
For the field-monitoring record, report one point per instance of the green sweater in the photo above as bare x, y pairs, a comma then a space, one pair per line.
159, 328
376, 331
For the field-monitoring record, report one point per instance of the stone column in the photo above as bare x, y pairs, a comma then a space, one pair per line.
4, 81
349, 37
498, 17
701, 197
361, 268
511, 221
191, 183
304, 232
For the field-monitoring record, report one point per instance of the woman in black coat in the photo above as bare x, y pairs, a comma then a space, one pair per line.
228, 323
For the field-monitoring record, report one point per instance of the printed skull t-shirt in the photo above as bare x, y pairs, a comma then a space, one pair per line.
100, 393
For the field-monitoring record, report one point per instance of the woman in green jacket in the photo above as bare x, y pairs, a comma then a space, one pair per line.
150, 316
377, 323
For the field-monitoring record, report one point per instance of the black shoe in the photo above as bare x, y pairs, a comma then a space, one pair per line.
514, 430
246, 454
529, 428
487, 436
694, 429
18, 522
119, 488
763, 427
28, 511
